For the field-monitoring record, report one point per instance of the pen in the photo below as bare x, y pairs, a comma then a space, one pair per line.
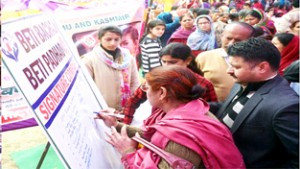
113, 115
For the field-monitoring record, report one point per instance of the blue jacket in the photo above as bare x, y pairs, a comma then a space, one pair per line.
171, 26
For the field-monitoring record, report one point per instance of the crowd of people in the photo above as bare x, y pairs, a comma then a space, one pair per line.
222, 79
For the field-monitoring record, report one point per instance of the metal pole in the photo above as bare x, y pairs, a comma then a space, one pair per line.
43, 155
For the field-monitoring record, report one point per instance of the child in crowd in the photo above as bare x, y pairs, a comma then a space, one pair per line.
150, 45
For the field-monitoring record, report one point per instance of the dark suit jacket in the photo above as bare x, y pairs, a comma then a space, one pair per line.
266, 131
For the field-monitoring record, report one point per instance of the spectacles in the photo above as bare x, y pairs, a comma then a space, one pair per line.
144, 87
203, 23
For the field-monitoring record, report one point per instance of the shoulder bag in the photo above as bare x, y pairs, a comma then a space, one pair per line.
174, 161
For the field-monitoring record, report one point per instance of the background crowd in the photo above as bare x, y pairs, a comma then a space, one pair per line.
222, 79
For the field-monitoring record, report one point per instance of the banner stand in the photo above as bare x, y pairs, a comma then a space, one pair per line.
43, 155
59, 91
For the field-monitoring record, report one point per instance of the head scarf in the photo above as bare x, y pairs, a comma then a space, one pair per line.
289, 54
200, 40
166, 17
264, 21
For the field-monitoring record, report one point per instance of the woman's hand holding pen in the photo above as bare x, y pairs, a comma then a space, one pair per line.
120, 141
107, 117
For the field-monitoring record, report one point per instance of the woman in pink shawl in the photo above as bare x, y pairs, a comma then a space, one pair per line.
186, 28
186, 130
288, 46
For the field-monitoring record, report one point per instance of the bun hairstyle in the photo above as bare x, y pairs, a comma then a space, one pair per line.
180, 82
196, 92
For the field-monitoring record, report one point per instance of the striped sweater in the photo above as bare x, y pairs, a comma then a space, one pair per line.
150, 49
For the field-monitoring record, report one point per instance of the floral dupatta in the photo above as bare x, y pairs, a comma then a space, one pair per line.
121, 64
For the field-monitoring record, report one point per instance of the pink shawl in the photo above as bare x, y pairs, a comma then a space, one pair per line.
188, 126
181, 33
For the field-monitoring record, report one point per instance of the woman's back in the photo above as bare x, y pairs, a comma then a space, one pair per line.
180, 123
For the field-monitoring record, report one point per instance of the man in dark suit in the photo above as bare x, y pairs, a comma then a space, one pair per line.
262, 111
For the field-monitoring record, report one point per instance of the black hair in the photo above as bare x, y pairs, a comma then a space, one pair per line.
254, 13
181, 51
262, 31
295, 3
284, 38
243, 12
256, 50
151, 25
109, 28
114, 29
186, 14
234, 16
200, 11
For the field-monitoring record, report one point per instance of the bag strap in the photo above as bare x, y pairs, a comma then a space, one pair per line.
174, 161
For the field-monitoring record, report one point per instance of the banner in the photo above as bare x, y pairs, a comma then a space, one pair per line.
59, 90
17, 8
82, 25
15, 111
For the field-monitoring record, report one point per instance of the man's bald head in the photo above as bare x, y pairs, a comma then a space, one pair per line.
236, 32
